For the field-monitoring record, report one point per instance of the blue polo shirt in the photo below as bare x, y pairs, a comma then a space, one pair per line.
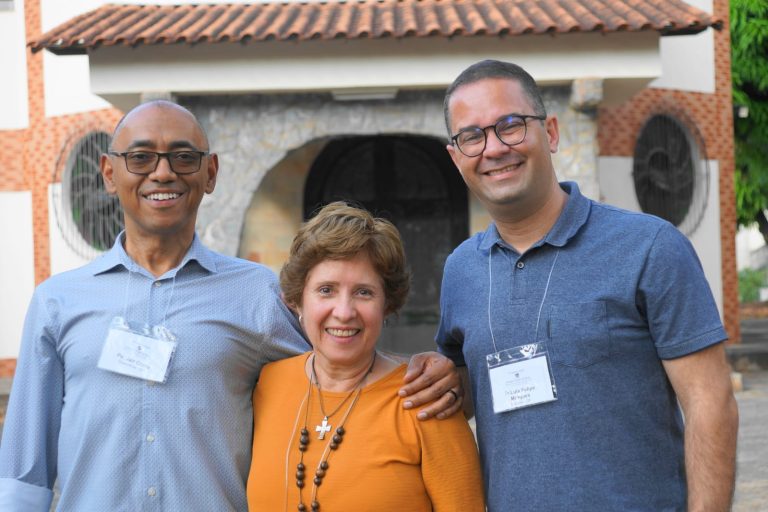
626, 290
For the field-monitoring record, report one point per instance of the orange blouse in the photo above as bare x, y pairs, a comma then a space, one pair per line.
388, 459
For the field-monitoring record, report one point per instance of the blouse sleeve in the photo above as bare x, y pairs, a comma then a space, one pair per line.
450, 465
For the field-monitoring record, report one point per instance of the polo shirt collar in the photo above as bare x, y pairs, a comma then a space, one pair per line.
491, 237
117, 256
572, 218
570, 221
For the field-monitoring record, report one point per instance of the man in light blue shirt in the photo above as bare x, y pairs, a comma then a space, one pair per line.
84, 406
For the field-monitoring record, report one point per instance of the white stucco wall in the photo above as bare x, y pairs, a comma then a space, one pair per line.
616, 186
17, 273
13, 62
120, 74
749, 245
688, 62
706, 238
67, 78
62, 256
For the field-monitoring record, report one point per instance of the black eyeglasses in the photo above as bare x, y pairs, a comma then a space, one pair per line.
145, 162
510, 130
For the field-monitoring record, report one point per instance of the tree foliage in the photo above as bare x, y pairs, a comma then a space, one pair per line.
750, 282
749, 70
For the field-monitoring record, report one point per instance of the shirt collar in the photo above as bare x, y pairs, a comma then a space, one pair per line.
570, 221
117, 256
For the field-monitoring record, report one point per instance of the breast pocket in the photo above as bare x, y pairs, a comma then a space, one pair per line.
579, 333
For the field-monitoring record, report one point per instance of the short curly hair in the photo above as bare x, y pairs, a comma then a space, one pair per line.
339, 232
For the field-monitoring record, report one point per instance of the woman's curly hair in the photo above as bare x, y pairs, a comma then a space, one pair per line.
339, 232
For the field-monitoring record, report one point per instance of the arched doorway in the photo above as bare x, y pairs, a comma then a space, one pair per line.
411, 181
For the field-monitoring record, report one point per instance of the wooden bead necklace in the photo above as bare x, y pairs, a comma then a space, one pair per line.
333, 442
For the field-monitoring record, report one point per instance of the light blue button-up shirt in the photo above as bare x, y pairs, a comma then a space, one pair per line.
119, 443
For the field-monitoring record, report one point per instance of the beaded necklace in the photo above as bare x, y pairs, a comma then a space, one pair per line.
333, 442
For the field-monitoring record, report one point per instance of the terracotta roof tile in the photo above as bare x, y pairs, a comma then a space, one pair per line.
133, 25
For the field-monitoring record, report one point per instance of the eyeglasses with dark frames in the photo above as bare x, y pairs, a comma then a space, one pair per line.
146, 162
510, 130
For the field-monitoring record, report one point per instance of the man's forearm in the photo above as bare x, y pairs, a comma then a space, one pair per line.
710, 455
702, 383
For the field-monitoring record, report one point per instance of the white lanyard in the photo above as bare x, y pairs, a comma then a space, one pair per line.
143, 352
519, 376
490, 294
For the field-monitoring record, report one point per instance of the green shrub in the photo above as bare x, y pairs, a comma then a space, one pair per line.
750, 282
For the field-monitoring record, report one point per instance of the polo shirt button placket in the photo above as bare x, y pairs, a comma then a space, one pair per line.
520, 265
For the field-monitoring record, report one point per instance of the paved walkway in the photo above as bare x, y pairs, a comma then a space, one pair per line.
752, 458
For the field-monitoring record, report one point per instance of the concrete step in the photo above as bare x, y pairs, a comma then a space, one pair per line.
752, 352
748, 356
754, 330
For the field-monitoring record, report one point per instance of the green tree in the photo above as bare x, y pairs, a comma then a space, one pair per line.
750, 282
749, 70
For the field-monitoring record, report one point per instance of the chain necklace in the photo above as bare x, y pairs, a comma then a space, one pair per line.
324, 426
333, 442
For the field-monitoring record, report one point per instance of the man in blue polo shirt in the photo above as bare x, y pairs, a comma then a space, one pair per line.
580, 326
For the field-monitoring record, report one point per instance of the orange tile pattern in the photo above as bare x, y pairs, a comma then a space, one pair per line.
7, 368
132, 25
11, 161
36, 149
619, 127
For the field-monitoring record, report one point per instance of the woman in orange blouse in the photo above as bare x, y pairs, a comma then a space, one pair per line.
330, 433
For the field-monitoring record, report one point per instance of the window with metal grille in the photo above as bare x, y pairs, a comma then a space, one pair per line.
670, 172
96, 217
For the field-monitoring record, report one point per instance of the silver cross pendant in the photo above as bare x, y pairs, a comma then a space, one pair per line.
322, 429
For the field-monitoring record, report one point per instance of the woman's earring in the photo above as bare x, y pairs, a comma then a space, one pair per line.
300, 318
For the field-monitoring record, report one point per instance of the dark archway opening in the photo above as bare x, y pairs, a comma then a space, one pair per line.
411, 181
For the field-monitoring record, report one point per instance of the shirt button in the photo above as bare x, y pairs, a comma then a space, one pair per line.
150, 437
158, 284
150, 383
151, 491
520, 264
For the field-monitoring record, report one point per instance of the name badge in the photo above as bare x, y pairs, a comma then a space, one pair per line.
520, 377
136, 355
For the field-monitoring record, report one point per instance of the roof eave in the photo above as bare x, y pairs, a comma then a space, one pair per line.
58, 48
64, 50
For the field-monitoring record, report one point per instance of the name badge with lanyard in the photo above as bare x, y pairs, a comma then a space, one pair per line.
520, 376
143, 352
